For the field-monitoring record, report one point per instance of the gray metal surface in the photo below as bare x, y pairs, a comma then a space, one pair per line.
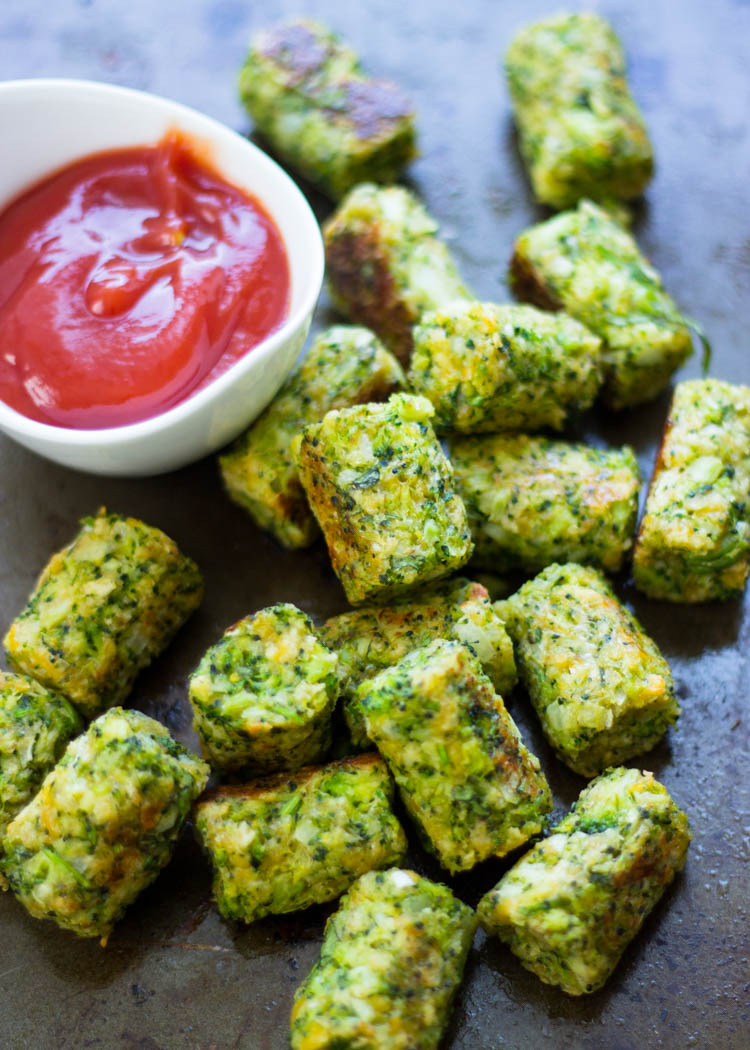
175, 976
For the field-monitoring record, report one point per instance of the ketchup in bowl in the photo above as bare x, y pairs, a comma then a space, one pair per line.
129, 280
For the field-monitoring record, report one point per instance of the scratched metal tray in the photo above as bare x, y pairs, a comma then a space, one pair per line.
175, 976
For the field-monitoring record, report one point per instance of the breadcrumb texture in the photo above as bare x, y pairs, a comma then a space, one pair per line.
694, 540
289, 841
385, 265
602, 690
572, 904
464, 774
391, 962
586, 263
345, 365
581, 134
103, 824
383, 493
263, 695
308, 95
35, 727
103, 608
533, 501
368, 640
488, 367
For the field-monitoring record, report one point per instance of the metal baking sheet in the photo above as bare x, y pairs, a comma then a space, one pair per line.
177, 977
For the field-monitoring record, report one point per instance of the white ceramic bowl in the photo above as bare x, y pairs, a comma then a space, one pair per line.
46, 124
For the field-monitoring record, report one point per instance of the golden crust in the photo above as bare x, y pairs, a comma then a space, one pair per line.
359, 275
528, 286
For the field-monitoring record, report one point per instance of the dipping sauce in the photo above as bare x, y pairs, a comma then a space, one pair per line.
129, 280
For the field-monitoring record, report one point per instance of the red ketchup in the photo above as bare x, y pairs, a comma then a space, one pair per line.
129, 280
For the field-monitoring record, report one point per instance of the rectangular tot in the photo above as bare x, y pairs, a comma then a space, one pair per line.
103, 608
346, 365
321, 114
580, 132
281, 844
263, 695
464, 774
489, 367
367, 640
532, 501
693, 544
601, 688
585, 263
390, 965
382, 490
385, 266
571, 905
103, 824
35, 727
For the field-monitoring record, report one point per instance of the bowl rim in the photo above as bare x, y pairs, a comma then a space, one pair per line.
105, 437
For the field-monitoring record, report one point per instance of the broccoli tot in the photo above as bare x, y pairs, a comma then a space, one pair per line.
532, 501
464, 774
321, 114
693, 544
103, 608
35, 727
602, 690
389, 968
490, 367
103, 824
346, 365
571, 905
384, 264
585, 263
581, 134
367, 640
383, 494
263, 695
283, 843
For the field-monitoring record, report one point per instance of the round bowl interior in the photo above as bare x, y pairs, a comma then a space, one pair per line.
46, 124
